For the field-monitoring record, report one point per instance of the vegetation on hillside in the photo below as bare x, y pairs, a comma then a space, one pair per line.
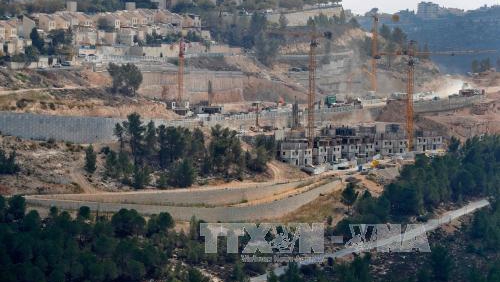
8, 163
178, 155
469, 171
89, 248
126, 78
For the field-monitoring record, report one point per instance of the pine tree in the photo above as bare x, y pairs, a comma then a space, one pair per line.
349, 196
90, 159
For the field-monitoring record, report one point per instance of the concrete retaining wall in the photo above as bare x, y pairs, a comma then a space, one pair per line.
224, 214
68, 128
452, 103
195, 196
99, 129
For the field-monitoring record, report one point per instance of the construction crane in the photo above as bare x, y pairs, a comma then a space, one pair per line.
311, 97
375, 53
412, 54
180, 73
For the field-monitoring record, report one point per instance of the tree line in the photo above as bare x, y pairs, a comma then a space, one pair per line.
123, 247
178, 156
60, 248
469, 170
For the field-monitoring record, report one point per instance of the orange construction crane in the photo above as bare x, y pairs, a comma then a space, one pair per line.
375, 53
413, 54
312, 91
311, 97
180, 74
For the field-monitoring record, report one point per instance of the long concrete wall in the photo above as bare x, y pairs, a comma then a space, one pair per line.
99, 129
193, 197
452, 103
74, 129
270, 210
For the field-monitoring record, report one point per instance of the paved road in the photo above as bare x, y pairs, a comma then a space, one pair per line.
429, 226
210, 196
269, 210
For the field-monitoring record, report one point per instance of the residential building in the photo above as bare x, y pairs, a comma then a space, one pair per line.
427, 10
337, 144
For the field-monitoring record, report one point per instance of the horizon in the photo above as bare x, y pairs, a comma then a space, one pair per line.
393, 6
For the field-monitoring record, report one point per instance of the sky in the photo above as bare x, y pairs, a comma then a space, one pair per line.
392, 6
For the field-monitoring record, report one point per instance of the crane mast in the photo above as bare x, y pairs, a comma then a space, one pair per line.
312, 92
180, 74
375, 54
410, 89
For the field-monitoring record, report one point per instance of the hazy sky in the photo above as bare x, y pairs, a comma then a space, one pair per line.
391, 6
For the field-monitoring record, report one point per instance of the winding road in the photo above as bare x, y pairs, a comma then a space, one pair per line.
428, 226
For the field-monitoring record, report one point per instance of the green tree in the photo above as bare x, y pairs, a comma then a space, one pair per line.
84, 213
150, 140
194, 275
126, 78
349, 195
292, 274
238, 273
259, 163
162, 181
31, 54
36, 40
17, 208
90, 159
142, 177
160, 223
441, 263
128, 223
135, 130
271, 277
454, 145
119, 132
112, 167
8, 163
183, 174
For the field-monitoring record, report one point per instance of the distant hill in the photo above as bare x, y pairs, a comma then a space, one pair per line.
475, 30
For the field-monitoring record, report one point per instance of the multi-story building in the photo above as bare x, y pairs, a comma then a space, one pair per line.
46, 22
360, 144
296, 153
428, 10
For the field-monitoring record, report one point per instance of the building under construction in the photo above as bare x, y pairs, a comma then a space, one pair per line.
360, 143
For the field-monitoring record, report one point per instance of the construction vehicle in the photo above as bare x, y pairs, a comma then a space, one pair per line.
330, 100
